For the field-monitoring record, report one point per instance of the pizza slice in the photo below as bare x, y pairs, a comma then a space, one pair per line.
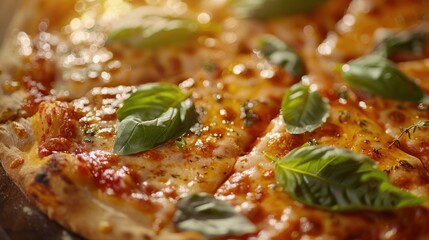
199, 151
280, 187
62, 156
254, 185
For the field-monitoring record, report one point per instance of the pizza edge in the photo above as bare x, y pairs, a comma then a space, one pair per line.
48, 183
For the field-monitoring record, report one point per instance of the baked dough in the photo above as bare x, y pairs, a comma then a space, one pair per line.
63, 84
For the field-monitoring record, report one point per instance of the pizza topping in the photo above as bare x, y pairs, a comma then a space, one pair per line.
59, 129
340, 180
247, 113
211, 217
303, 110
16, 163
277, 52
55, 144
153, 28
409, 43
379, 76
151, 116
101, 167
409, 130
181, 143
38, 78
238, 95
19, 130
265, 9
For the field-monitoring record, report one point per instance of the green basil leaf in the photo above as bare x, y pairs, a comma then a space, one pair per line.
277, 52
265, 9
379, 76
410, 43
151, 116
340, 180
211, 217
303, 110
152, 29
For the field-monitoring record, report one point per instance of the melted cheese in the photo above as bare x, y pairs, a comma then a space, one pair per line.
72, 83
253, 189
356, 34
153, 180
67, 56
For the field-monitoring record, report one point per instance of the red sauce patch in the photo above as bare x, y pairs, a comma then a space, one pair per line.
102, 168
19, 130
59, 129
228, 114
397, 116
53, 145
154, 155
38, 77
205, 148
284, 144
68, 129
238, 184
329, 129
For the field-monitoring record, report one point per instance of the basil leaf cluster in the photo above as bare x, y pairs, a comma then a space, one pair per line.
340, 180
211, 217
151, 116
278, 53
379, 76
152, 29
409, 43
303, 110
266, 9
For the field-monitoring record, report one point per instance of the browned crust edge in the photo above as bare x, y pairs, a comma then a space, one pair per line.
47, 185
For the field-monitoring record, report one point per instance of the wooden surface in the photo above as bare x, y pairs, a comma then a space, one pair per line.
20, 220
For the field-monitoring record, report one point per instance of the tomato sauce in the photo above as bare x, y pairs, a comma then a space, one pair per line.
101, 167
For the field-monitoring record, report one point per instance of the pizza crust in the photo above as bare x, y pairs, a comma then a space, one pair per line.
50, 184
51, 181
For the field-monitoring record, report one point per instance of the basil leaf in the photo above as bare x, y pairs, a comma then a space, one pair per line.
265, 9
211, 217
149, 29
151, 116
411, 43
379, 76
303, 110
277, 52
340, 180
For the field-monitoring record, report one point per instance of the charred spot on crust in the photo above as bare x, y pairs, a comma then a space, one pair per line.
42, 178
56, 166
53, 166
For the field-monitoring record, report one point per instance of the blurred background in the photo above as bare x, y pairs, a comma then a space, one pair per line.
7, 8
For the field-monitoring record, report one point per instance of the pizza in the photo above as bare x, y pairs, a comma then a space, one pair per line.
269, 119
